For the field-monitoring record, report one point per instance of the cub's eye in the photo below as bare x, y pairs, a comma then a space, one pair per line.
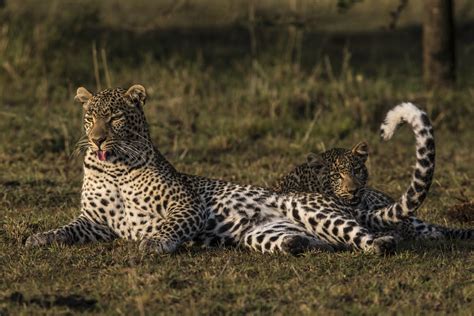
359, 172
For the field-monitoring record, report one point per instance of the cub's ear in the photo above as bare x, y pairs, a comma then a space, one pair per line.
82, 95
361, 150
136, 94
315, 160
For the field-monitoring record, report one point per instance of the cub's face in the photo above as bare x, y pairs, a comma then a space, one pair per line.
341, 173
114, 122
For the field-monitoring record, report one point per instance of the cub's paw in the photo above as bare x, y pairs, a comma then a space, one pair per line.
384, 245
157, 246
434, 235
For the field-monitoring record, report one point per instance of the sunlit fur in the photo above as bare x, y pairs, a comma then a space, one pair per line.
122, 142
133, 192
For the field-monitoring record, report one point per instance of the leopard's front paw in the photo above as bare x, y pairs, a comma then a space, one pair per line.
40, 239
47, 238
157, 246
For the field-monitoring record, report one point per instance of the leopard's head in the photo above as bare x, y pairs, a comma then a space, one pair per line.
114, 122
341, 172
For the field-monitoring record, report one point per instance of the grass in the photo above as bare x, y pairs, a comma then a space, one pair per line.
208, 126
214, 111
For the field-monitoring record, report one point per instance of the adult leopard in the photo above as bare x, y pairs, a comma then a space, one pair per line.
342, 173
131, 191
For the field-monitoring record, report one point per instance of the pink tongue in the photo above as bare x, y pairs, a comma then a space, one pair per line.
102, 155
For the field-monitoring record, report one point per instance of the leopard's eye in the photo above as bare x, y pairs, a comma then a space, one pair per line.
117, 116
88, 120
116, 119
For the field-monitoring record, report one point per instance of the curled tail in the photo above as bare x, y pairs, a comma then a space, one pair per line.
422, 175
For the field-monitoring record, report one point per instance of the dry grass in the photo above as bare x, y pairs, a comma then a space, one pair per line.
216, 112
209, 127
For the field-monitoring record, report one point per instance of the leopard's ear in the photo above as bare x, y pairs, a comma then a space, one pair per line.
136, 94
314, 160
82, 95
361, 150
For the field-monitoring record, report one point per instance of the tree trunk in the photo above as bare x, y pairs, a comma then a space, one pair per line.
438, 44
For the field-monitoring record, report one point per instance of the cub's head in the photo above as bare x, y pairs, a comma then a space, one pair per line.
114, 122
341, 172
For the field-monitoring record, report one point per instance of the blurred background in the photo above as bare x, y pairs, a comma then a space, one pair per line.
49, 47
258, 78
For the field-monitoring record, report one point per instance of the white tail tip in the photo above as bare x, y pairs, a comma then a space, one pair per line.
404, 112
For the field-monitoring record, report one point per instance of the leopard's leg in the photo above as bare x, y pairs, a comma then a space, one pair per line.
337, 227
282, 235
185, 219
342, 228
79, 231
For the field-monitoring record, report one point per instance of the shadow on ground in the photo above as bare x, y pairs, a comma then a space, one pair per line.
74, 302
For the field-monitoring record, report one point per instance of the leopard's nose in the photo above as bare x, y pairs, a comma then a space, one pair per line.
98, 140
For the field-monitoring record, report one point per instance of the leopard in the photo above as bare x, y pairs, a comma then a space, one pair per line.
131, 191
342, 173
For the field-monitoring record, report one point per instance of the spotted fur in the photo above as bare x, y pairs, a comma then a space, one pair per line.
325, 173
338, 172
131, 191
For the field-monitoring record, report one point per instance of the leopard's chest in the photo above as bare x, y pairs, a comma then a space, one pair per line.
132, 206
